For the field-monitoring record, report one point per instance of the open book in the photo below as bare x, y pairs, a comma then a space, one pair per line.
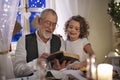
62, 55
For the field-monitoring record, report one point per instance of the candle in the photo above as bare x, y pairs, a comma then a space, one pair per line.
93, 72
105, 71
91, 68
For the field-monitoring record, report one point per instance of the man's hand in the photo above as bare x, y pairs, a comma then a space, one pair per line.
59, 66
42, 57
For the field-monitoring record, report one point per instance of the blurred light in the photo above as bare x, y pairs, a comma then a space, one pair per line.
6, 0
112, 54
116, 50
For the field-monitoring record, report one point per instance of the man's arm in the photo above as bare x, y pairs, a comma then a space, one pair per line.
21, 67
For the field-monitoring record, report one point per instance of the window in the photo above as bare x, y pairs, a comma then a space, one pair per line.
28, 9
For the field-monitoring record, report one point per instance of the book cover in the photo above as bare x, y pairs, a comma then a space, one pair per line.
62, 55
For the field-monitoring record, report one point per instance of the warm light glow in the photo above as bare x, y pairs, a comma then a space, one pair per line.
93, 71
116, 50
91, 67
105, 71
113, 54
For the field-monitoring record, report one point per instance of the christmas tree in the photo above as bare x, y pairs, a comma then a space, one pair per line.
114, 12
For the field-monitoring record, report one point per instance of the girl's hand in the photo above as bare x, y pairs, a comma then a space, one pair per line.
75, 66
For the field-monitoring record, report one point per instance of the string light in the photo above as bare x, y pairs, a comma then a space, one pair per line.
114, 12
36, 3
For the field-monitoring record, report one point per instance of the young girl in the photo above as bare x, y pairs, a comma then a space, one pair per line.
77, 42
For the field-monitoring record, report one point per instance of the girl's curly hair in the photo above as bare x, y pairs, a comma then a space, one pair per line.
83, 25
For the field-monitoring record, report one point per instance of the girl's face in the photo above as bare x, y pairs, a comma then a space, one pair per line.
73, 30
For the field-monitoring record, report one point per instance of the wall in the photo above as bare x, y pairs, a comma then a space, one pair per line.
100, 28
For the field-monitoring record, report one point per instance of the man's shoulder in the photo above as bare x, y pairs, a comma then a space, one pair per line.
54, 35
30, 37
32, 34
57, 38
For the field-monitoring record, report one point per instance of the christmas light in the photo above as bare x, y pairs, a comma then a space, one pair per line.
114, 12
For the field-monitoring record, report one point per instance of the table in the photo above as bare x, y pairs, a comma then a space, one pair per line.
57, 74
116, 60
61, 74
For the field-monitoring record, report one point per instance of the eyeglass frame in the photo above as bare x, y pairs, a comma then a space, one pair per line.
49, 23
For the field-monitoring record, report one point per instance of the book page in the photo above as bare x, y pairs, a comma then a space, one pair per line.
75, 73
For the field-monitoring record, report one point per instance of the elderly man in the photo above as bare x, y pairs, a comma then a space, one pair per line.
33, 48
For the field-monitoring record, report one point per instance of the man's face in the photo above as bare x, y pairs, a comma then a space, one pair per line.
47, 25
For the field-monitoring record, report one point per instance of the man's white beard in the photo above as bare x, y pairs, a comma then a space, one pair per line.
47, 36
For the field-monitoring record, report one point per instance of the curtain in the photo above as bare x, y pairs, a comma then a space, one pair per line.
84, 8
8, 12
65, 9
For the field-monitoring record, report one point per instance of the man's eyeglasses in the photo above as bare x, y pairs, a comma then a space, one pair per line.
49, 23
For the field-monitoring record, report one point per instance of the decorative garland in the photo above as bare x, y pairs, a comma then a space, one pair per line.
114, 12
